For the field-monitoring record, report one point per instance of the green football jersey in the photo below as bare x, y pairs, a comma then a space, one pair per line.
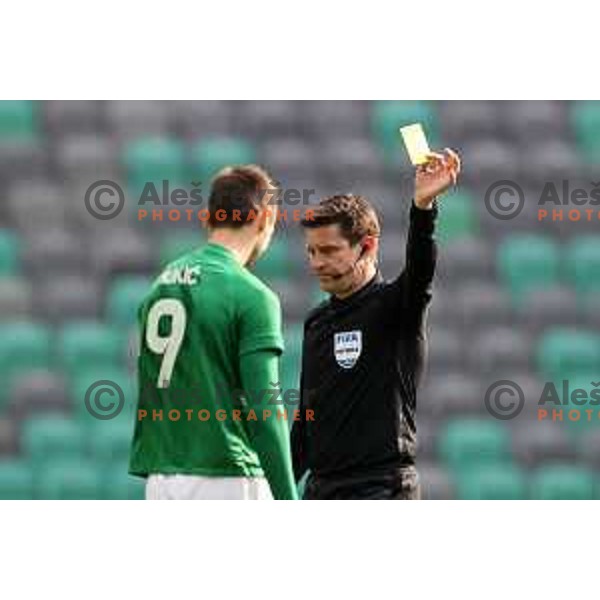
201, 315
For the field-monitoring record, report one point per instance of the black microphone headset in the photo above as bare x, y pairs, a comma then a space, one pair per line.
354, 264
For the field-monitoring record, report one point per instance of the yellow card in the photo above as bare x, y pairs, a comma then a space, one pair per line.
415, 143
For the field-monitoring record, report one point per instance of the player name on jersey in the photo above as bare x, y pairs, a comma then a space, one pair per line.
181, 275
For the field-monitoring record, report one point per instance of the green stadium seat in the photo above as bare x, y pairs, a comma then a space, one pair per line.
47, 437
16, 480
24, 346
124, 298
317, 296
207, 157
276, 263
89, 344
582, 264
294, 333
9, 253
457, 217
102, 396
117, 484
388, 116
291, 359
152, 160
172, 247
110, 440
581, 414
18, 119
562, 482
527, 262
469, 442
69, 480
493, 482
586, 124
565, 352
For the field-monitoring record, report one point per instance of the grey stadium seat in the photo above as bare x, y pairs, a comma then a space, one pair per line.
392, 253
450, 394
57, 251
527, 220
446, 350
541, 442
350, 161
465, 259
127, 119
69, 297
391, 205
38, 391
124, 251
499, 351
435, 482
551, 161
465, 120
293, 297
534, 121
63, 117
427, 431
482, 304
532, 388
443, 310
290, 161
197, 118
268, 119
22, 159
9, 436
590, 311
15, 298
326, 119
487, 161
37, 204
588, 448
554, 306
87, 158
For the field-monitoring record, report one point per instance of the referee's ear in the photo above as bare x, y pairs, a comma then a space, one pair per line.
370, 247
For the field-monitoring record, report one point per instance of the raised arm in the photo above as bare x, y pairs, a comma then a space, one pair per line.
412, 289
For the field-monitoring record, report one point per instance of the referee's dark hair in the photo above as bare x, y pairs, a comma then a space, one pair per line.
240, 188
353, 213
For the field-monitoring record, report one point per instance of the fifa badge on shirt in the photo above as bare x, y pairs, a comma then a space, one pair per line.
347, 346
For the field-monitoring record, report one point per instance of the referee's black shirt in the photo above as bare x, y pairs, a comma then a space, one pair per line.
362, 384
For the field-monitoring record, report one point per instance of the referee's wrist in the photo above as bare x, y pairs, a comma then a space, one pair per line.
425, 205
429, 211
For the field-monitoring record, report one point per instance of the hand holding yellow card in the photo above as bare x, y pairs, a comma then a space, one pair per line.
416, 143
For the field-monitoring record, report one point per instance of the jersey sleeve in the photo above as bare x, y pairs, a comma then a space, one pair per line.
260, 322
269, 435
409, 295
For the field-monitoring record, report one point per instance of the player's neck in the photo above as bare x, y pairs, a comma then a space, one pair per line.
240, 246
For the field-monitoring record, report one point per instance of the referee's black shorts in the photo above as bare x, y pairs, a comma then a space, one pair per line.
399, 484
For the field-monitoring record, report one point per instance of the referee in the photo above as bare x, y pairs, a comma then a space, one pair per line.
364, 348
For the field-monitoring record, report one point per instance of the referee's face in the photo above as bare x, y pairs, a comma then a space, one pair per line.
332, 259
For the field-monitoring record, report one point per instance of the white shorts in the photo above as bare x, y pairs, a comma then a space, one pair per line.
196, 487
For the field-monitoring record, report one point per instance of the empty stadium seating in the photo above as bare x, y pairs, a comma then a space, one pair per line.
513, 299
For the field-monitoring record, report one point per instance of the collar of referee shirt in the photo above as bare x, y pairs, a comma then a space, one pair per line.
358, 294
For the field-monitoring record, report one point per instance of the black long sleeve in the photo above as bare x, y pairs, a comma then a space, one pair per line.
410, 293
